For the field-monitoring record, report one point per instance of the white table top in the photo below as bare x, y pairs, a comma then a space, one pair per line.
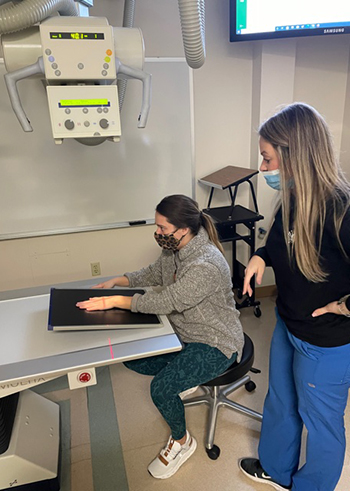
28, 349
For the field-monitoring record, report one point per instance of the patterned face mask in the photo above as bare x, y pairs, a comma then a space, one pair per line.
168, 241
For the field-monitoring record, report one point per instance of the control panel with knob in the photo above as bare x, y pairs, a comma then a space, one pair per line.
85, 106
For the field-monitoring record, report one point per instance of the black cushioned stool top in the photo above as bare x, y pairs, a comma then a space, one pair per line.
236, 370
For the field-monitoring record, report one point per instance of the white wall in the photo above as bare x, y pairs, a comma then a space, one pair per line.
240, 85
313, 70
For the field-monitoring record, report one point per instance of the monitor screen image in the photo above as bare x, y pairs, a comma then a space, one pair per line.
273, 19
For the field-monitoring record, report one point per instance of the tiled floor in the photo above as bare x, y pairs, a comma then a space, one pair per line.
143, 431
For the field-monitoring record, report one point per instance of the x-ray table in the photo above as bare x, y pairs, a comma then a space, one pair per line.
31, 355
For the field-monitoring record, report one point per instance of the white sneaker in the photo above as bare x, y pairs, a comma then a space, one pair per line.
171, 457
187, 392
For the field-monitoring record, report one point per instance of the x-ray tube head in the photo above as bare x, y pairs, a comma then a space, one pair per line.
80, 63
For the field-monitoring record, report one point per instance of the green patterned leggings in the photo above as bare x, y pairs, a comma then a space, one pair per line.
173, 373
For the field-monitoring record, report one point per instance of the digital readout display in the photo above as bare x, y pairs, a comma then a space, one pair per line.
83, 102
77, 35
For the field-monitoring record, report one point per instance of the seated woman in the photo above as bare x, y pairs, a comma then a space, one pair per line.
197, 297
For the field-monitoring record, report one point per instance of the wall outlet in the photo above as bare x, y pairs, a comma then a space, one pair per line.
95, 269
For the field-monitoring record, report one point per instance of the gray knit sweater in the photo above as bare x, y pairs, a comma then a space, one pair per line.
197, 295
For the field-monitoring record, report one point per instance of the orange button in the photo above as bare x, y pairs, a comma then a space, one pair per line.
108, 52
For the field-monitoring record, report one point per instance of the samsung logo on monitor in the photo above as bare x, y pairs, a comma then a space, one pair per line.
333, 31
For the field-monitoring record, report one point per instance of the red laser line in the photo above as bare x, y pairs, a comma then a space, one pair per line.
110, 347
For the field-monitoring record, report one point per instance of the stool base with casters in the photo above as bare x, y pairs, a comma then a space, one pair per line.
216, 394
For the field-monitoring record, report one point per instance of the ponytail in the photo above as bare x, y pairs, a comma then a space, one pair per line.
209, 226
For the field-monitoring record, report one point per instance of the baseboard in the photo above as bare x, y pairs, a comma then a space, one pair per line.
265, 291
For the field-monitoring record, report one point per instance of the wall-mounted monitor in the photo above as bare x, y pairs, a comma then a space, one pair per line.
273, 19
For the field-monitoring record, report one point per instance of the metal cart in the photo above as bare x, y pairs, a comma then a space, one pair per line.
227, 218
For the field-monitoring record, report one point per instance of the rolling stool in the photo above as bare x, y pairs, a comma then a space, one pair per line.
216, 395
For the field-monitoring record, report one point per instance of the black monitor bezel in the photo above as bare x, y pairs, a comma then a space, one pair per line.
278, 34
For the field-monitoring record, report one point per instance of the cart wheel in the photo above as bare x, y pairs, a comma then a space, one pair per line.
213, 453
250, 386
239, 293
257, 311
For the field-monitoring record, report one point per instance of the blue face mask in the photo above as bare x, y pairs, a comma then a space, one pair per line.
273, 179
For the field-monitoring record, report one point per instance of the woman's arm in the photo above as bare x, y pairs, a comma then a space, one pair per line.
262, 252
337, 307
149, 276
341, 306
106, 303
117, 281
188, 291
344, 233
256, 266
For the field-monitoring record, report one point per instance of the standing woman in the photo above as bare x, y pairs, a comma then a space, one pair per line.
197, 297
308, 248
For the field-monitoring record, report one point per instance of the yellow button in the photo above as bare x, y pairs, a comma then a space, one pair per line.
107, 59
108, 52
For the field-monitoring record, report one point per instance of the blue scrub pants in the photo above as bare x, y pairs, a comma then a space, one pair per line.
308, 385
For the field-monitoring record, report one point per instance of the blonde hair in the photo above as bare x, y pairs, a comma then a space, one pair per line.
312, 177
183, 211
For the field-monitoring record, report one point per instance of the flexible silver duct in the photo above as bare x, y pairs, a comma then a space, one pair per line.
128, 21
129, 13
30, 12
192, 16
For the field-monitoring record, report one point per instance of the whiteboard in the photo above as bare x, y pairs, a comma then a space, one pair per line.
47, 188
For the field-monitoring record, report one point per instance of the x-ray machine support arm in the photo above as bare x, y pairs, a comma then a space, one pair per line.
12, 78
145, 78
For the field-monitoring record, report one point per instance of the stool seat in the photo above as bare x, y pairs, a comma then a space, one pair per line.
236, 370
217, 390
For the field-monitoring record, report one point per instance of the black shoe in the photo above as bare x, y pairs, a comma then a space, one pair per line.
252, 468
